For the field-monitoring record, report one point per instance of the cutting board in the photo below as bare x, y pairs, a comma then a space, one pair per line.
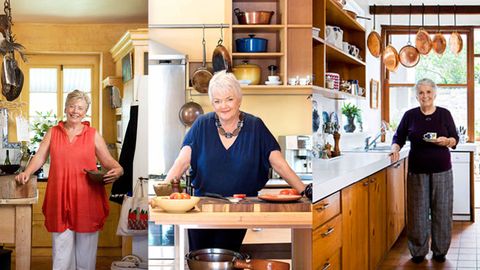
10, 189
252, 204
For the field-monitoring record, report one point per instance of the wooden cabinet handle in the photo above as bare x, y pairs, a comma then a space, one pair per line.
326, 266
396, 165
323, 207
365, 183
329, 231
373, 180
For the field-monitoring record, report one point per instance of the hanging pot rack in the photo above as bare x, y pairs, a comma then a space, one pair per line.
430, 9
188, 26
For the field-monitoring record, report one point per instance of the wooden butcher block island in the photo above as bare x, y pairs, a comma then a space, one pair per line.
249, 213
16, 203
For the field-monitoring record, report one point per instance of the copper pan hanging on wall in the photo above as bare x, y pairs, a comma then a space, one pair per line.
409, 55
390, 55
423, 43
455, 41
374, 40
439, 43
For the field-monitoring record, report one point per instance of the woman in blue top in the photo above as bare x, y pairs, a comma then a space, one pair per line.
430, 178
228, 151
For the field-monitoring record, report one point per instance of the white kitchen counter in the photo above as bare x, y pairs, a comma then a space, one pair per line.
330, 176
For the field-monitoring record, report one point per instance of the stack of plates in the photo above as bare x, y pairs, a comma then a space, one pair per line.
273, 83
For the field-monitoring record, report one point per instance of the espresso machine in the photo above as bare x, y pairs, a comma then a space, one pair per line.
296, 149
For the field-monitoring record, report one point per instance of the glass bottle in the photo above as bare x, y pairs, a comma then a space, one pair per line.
25, 157
7, 159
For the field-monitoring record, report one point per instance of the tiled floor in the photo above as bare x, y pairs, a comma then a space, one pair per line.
464, 252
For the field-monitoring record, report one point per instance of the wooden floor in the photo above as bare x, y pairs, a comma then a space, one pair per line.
464, 252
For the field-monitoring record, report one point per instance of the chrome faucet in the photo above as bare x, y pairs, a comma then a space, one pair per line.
371, 145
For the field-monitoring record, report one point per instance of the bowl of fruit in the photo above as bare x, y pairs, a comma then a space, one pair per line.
176, 202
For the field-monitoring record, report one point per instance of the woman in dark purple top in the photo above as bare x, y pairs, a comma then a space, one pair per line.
431, 132
228, 151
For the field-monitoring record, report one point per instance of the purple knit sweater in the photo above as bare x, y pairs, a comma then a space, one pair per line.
426, 157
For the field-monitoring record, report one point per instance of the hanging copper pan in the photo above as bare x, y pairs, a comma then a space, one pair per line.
374, 44
439, 43
456, 43
423, 43
374, 40
390, 58
409, 55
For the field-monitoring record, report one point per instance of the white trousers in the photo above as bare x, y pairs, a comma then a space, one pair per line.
72, 250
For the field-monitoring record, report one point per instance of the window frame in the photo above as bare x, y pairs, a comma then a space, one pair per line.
468, 44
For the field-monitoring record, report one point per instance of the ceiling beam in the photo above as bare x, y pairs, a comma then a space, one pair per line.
418, 9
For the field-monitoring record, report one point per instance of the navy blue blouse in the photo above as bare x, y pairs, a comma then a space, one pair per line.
426, 157
243, 168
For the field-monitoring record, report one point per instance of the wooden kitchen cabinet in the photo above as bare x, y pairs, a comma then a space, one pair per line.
395, 201
364, 223
327, 233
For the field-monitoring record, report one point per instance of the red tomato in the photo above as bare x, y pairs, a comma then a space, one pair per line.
240, 196
289, 191
179, 196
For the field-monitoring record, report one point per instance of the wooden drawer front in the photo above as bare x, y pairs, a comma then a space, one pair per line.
326, 239
262, 236
331, 263
326, 209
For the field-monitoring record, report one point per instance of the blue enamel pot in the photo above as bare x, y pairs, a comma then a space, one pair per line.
251, 44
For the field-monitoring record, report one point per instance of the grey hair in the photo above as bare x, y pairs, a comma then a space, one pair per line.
77, 94
224, 82
425, 81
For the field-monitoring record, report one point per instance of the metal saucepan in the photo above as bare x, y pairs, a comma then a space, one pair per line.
221, 59
456, 43
390, 58
202, 75
439, 43
213, 259
261, 265
423, 43
189, 112
253, 17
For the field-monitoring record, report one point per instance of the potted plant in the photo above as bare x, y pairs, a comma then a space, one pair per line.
351, 111
42, 122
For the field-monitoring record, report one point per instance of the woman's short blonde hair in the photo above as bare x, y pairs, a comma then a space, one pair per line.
425, 81
224, 82
75, 95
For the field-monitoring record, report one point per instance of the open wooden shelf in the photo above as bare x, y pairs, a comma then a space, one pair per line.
299, 26
337, 55
339, 17
317, 39
334, 94
258, 55
267, 90
258, 26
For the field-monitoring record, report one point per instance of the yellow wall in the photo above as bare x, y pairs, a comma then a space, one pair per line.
283, 115
76, 38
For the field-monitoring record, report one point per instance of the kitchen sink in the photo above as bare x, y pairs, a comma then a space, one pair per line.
383, 148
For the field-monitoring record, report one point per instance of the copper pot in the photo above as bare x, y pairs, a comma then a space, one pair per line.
423, 43
202, 75
374, 44
253, 17
390, 58
439, 43
409, 56
456, 43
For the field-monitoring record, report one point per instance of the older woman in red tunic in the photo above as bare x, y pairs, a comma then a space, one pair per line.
75, 208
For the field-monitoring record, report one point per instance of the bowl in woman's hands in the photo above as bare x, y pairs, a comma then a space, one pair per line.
9, 169
96, 176
175, 205
163, 189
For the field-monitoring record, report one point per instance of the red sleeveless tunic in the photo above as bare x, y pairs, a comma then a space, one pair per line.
71, 200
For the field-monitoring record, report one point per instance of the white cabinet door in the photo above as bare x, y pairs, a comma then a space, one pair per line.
461, 183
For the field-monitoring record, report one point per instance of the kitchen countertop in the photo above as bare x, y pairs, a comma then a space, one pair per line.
331, 176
